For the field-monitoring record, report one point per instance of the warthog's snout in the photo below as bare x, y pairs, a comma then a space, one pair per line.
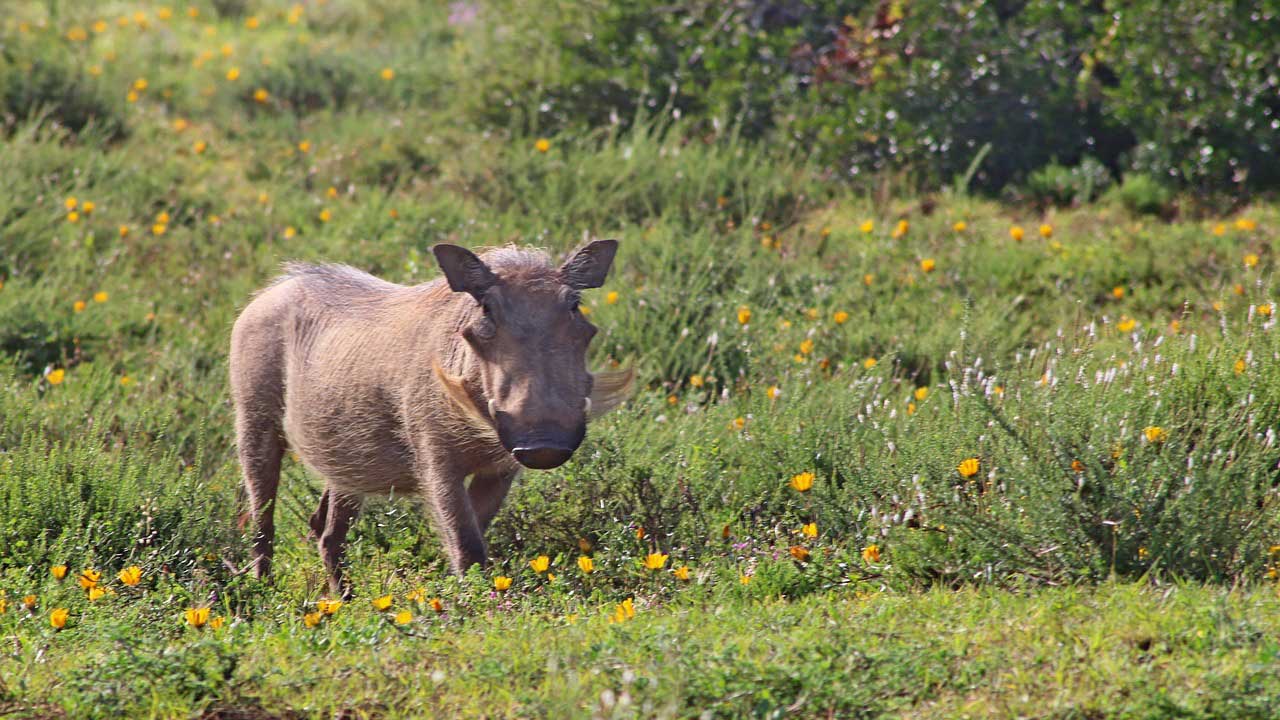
543, 450
542, 457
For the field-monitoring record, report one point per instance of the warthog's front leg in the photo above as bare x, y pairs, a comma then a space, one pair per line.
488, 490
340, 516
456, 522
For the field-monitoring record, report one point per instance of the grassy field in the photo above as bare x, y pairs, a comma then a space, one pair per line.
891, 454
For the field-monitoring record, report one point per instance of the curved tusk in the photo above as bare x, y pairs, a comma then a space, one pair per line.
586, 406
492, 412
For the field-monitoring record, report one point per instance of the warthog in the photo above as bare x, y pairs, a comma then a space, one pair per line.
382, 388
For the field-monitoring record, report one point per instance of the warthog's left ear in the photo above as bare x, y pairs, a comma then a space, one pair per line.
463, 270
589, 266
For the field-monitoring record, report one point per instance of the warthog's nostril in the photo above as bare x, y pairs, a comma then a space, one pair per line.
542, 458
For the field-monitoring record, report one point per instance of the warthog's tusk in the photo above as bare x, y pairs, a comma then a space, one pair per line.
586, 406
492, 412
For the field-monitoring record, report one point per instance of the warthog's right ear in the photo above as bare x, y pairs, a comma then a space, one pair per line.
464, 271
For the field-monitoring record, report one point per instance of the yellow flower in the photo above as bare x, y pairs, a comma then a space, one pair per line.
611, 298
586, 564
381, 603
197, 617
1240, 366
140, 84
325, 215
501, 583
696, 381
960, 226
655, 561
181, 124
404, 617
73, 217
304, 146
70, 203
416, 595
29, 602
625, 611
217, 622
868, 279
1016, 232
867, 226
252, 22
1077, 466
840, 317
1155, 434
969, 467
800, 552
745, 579
58, 618
806, 346
911, 408
1126, 324
1250, 260
310, 619
331, 193
261, 95
58, 571
927, 265
1117, 292
921, 392
1246, 224
437, 604
871, 554
289, 232
95, 593
744, 315
826, 232
131, 96
869, 363
1220, 229
1264, 309
233, 74
809, 530
89, 578
1046, 231
802, 481
1238, 289
158, 229
131, 575
900, 229
739, 423
88, 207
164, 13
100, 297
226, 50
387, 73
124, 231
329, 607
540, 563
681, 573
542, 145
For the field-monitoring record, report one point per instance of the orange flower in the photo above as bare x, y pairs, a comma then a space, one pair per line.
802, 482
968, 468
871, 554
800, 552
501, 583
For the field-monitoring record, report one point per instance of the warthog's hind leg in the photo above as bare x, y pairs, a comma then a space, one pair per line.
319, 517
341, 515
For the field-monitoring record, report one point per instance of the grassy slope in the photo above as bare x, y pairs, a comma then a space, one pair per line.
100, 472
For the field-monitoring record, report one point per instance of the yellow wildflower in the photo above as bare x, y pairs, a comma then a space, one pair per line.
871, 554
1250, 260
655, 561
1046, 231
131, 575
840, 317
1264, 309
1016, 232
197, 617
381, 603
261, 95
739, 423
58, 618
233, 74
387, 73
800, 552
869, 363
96, 593
681, 573
744, 315
900, 229
802, 481
969, 467
58, 571
29, 602
921, 393
927, 265
304, 146
501, 583
404, 617
542, 145
1239, 366
611, 298
1126, 324
311, 619
867, 226
100, 297
806, 346
1155, 434
55, 377
89, 578
960, 226
540, 563
329, 607
1245, 224
217, 622
1117, 292
325, 215
586, 564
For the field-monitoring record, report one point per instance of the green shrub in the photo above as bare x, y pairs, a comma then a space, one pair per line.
307, 81
1055, 184
47, 89
1142, 193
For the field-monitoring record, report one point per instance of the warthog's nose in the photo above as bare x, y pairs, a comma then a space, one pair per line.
542, 458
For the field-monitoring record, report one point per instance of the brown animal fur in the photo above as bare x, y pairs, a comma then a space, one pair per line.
384, 388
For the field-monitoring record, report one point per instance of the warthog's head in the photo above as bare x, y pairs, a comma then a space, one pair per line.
530, 340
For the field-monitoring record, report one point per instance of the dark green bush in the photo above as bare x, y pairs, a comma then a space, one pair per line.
1056, 184
306, 81
52, 91
1141, 193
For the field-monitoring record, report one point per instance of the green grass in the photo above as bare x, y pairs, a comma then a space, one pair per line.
1115, 382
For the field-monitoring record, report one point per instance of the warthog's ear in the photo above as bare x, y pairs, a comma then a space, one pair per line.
464, 271
589, 266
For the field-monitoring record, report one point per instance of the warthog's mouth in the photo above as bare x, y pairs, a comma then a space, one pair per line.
543, 457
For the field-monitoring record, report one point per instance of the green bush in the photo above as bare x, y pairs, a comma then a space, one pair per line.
47, 89
1141, 193
1055, 184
